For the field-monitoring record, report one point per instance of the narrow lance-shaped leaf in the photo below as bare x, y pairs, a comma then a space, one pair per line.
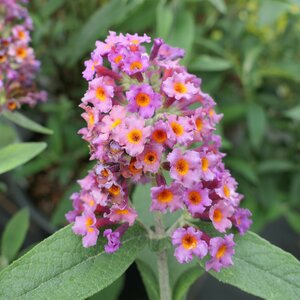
14, 234
185, 281
149, 280
25, 122
262, 269
61, 268
15, 155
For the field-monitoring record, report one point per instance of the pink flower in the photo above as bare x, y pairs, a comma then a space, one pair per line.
197, 199
143, 99
164, 197
85, 225
220, 214
221, 250
100, 94
184, 167
136, 63
177, 87
133, 135
189, 243
242, 220
161, 133
180, 129
122, 214
150, 158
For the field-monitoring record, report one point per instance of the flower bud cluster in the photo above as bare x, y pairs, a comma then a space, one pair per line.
149, 121
18, 66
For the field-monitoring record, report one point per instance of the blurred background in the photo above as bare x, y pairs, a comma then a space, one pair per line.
248, 56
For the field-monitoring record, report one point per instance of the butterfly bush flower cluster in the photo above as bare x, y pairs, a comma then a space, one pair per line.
18, 65
149, 121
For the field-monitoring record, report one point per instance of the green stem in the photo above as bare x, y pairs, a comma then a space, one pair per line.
162, 263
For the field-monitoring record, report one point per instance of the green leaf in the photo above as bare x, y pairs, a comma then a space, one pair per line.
111, 292
271, 10
61, 267
15, 155
262, 269
293, 113
219, 5
294, 190
209, 64
25, 122
273, 165
164, 20
149, 280
8, 135
183, 33
185, 281
14, 234
256, 121
293, 219
111, 13
244, 168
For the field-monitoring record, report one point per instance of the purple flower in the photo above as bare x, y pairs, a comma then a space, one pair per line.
189, 243
166, 197
220, 214
113, 243
184, 167
221, 250
197, 199
135, 63
143, 99
177, 87
180, 130
242, 220
150, 158
85, 225
100, 94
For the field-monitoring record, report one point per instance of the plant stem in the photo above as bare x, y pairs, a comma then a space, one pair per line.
162, 263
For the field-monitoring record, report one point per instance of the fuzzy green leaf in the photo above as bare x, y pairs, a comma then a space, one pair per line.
61, 268
14, 234
15, 155
262, 269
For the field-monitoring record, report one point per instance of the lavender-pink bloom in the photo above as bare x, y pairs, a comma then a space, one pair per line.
189, 244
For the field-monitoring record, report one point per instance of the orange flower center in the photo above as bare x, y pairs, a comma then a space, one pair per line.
114, 190
226, 191
132, 167
221, 251
194, 197
2, 58
91, 119
217, 216
118, 59
165, 196
21, 52
199, 124
136, 65
189, 241
12, 105
179, 87
115, 123
159, 136
205, 164
21, 34
135, 136
104, 173
122, 211
142, 99
100, 94
177, 128
182, 167
89, 222
150, 157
